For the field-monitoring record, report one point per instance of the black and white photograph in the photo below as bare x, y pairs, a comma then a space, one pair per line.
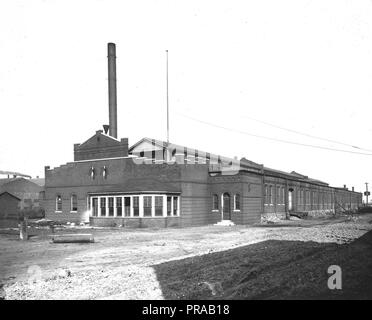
195, 152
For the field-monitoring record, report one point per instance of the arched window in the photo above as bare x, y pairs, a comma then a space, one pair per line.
215, 202
266, 194
91, 172
278, 195
271, 195
58, 202
237, 202
73, 203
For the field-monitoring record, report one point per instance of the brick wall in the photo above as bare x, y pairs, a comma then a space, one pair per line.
101, 146
122, 175
248, 186
165, 222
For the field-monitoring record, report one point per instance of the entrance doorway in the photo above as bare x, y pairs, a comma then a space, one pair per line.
290, 199
226, 206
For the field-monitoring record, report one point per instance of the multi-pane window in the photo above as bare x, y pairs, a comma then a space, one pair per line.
237, 202
127, 206
73, 203
215, 202
158, 206
307, 197
119, 207
169, 206
278, 195
136, 206
59, 203
266, 195
303, 196
132, 206
147, 206
314, 198
302, 200
111, 206
175, 206
271, 194
103, 206
95, 207
317, 198
281, 195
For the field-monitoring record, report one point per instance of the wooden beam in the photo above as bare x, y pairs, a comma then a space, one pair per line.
73, 238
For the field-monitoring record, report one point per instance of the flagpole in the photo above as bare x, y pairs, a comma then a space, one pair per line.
167, 101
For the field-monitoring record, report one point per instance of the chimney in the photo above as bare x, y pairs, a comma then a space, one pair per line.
352, 189
344, 186
111, 55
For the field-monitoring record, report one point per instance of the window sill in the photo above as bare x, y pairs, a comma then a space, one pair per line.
236, 210
135, 217
215, 210
156, 217
73, 211
57, 211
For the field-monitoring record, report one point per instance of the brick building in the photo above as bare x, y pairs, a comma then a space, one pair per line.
154, 183
158, 184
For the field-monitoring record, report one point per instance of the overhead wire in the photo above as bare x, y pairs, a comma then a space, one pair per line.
306, 134
271, 138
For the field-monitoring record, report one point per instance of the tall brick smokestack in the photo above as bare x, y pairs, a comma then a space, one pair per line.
111, 55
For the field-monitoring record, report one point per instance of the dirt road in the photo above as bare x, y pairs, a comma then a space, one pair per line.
206, 262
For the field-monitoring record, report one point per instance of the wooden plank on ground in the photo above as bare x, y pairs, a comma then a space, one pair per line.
73, 238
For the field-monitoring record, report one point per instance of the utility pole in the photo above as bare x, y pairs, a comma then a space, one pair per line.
366, 193
167, 102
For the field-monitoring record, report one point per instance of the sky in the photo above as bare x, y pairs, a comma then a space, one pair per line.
238, 70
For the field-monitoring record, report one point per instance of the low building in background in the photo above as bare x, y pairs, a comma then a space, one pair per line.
28, 194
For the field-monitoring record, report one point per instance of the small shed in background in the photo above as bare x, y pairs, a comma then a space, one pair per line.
9, 209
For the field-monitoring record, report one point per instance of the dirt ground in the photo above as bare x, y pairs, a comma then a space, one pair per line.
288, 259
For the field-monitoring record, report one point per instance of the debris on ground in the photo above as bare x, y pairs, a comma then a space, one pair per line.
277, 260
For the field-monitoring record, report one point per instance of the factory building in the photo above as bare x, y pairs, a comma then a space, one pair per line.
159, 184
